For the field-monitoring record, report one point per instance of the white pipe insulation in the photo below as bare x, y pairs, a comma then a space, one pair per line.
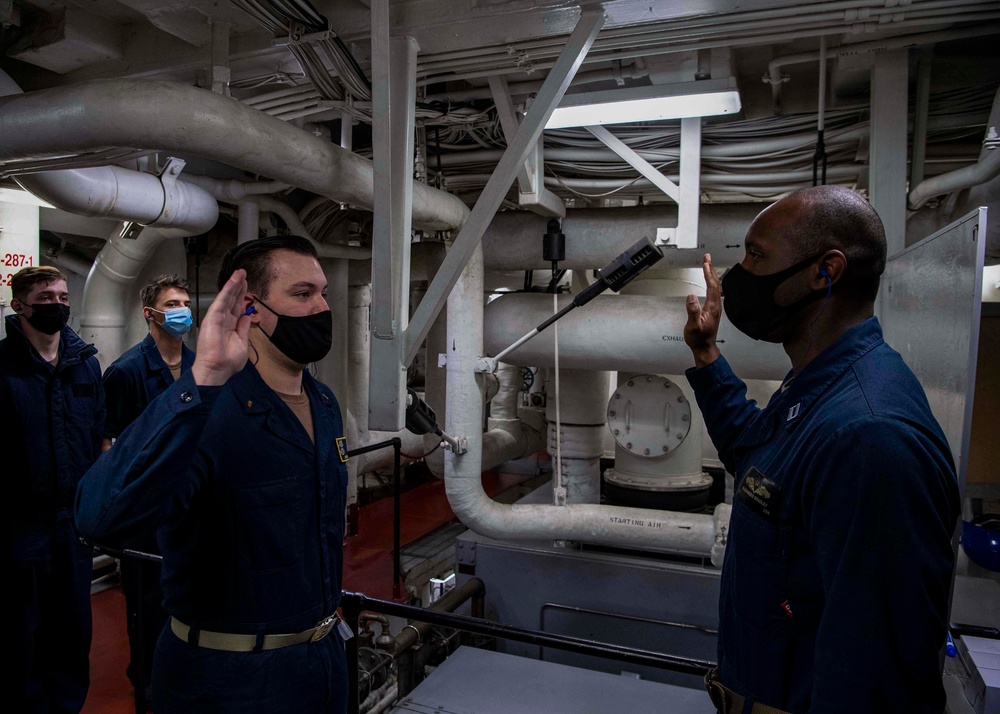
126, 195
594, 237
672, 532
629, 333
168, 116
170, 209
986, 169
115, 270
118, 193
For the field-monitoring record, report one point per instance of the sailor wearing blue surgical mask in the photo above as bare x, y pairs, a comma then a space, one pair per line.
134, 380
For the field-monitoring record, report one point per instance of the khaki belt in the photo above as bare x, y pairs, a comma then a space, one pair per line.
729, 702
230, 642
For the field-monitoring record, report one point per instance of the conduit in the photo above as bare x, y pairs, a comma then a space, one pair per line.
628, 333
167, 116
673, 532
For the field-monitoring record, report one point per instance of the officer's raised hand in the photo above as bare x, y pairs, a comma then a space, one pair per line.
703, 320
223, 336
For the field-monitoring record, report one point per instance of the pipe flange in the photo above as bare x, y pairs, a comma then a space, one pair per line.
649, 416
659, 484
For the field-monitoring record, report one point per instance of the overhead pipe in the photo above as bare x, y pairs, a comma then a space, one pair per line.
986, 169
72, 263
118, 193
672, 532
235, 189
636, 70
595, 236
126, 195
634, 333
168, 116
168, 208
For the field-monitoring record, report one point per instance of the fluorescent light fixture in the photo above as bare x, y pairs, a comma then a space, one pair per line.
703, 98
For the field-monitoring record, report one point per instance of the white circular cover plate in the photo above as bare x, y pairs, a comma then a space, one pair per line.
649, 415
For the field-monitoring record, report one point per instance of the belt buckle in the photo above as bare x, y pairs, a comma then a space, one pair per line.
323, 628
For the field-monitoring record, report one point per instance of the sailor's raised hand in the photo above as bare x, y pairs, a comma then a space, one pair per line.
223, 335
703, 320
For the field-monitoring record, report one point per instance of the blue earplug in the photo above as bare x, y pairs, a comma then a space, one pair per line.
250, 311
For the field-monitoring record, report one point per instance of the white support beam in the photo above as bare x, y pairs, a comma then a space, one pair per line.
690, 203
532, 194
637, 162
887, 157
394, 71
528, 133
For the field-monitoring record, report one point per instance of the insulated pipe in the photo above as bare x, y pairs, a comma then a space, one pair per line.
672, 532
247, 221
986, 169
359, 305
234, 189
508, 436
636, 70
634, 333
115, 270
594, 237
168, 116
72, 263
116, 192
125, 195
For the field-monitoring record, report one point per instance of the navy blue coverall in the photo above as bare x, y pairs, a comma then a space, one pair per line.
251, 528
838, 564
53, 422
131, 382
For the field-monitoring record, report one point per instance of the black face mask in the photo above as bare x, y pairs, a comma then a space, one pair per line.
49, 317
302, 339
748, 299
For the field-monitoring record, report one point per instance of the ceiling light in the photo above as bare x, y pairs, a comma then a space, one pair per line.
703, 98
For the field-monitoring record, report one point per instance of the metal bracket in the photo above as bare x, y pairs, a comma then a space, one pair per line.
485, 365
457, 446
297, 35
130, 231
168, 178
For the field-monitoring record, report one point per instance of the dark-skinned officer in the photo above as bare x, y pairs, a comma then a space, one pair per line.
835, 584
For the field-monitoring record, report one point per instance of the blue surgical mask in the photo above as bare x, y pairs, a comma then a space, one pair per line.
176, 320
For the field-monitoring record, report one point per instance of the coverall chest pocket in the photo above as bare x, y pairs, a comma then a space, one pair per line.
270, 516
760, 571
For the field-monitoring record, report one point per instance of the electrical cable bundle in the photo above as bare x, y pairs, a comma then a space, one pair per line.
278, 17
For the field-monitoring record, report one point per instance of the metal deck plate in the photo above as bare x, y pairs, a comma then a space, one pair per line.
474, 681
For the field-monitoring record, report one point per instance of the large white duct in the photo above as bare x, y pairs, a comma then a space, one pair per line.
633, 333
173, 117
126, 195
673, 532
